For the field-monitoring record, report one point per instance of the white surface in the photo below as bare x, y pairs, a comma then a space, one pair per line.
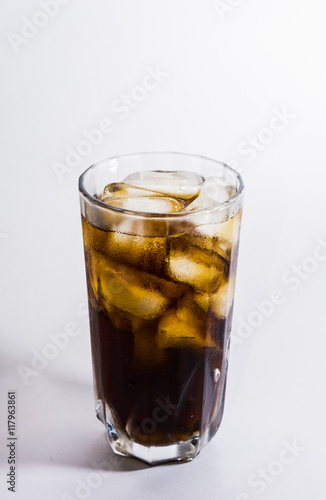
225, 80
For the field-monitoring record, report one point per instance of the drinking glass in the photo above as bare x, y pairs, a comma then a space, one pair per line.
160, 289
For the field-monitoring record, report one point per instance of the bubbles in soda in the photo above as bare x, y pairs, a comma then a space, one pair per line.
161, 293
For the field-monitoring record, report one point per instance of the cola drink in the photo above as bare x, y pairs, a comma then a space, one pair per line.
161, 251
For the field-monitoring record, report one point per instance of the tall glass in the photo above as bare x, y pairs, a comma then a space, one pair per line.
160, 290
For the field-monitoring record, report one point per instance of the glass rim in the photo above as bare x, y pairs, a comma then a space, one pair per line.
218, 206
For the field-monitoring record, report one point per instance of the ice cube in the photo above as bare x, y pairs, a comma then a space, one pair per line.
217, 189
219, 302
147, 253
189, 312
125, 294
202, 300
220, 237
222, 300
181, 184
148, 204
138, 293
199, 203
199, 268
123, 190
181, 331
136, 326
192, 308
127, 244
214, 191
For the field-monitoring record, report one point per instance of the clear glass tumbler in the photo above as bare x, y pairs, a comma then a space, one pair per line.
160, 288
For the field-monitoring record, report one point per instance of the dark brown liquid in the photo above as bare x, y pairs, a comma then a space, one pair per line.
156, 389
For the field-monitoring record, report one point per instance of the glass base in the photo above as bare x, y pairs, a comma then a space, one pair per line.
154, 455
182, 451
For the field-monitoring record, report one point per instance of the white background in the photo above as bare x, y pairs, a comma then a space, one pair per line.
225, 78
